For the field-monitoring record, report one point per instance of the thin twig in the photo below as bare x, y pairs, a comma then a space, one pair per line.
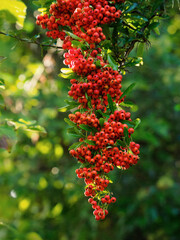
30, 41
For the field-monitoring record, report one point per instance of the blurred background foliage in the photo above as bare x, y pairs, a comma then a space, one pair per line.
41, 198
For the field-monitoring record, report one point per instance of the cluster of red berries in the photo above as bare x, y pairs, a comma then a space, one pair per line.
106, 141
98, 82
84, 118
83, 17
105, 153
97, 86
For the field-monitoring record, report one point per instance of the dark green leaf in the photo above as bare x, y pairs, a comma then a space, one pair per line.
89, 100
75, 145
132, 7
111, 103
129, 123
73, 35
128, 90
75, 131
98, 63
90, 142
2, 104
101, 122
153, 25
126, 133
2, 82
99, 113
88, 128
120, 143
72, 103
112, 62
140, 49
69, 122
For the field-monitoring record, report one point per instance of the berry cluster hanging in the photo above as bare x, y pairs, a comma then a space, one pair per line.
103, 127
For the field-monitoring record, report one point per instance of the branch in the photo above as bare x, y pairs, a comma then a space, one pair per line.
30, 41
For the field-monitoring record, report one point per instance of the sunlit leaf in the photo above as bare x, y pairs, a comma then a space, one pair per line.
17, 8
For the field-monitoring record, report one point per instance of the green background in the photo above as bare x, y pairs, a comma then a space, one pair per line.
40, 195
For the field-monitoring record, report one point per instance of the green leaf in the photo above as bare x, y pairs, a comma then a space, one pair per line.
75, 145
89, 100
126, 133
99, 113
98, 63
37, 128
42, 3
68, 75
2, 58
2, 84
69, 122
132, 7
83, 45
127, 104
106, 44
129, 123
101, 122
153, 25
128, 90
157, 4
64, 109
2, 104
140, 49
27, 125
67, 107
137, 122
78, 44
157, 31
90, 142
7, 137
112, 62
139, 17
16, 8
111, 103
106, 31
88, 128
72, 103
73, 35
120, 143
75, 131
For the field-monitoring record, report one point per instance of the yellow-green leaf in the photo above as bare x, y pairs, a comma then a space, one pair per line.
16, 8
